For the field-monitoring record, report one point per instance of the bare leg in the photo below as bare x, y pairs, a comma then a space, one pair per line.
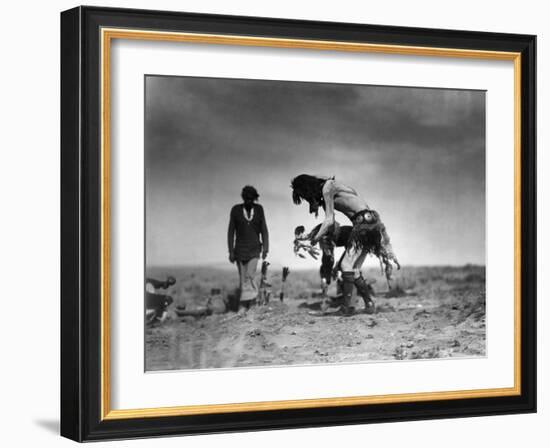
350, 258
355, 260
364, 289
359, 262
348, 264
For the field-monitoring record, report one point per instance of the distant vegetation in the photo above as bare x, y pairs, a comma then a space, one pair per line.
193, 285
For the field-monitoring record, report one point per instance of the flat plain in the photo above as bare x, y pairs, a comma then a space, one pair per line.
430, 312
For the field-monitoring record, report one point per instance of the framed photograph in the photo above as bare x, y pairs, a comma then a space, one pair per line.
276, 224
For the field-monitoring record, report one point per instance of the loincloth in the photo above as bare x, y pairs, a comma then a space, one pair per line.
371, 237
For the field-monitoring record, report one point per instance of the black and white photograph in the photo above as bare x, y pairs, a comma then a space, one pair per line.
301, 223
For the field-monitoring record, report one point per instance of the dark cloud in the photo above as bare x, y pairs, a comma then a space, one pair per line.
413, 152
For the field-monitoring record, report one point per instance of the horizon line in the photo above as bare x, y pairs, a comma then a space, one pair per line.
218, 266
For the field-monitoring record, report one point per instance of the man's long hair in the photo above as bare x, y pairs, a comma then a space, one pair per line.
310, 189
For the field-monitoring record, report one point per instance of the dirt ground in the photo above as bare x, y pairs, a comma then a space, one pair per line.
432, 313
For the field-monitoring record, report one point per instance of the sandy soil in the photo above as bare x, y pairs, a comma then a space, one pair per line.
441, 317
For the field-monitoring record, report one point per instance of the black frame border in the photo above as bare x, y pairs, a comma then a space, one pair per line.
81, 223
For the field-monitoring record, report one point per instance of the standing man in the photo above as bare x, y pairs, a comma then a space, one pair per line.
368, 233
247, 238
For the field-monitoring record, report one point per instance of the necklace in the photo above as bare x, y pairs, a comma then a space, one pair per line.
251, 214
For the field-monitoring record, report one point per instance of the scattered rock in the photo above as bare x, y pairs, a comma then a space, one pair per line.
385, 309
421, 314
396, 292
427, 353
400, 353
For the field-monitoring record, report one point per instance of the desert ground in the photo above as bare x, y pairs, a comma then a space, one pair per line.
430, 312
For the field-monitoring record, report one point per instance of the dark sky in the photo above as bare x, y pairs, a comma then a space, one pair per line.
416, 155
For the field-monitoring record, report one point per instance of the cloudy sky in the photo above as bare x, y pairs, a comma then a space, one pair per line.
416, 155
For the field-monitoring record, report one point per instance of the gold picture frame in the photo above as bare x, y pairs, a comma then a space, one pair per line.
106, 31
